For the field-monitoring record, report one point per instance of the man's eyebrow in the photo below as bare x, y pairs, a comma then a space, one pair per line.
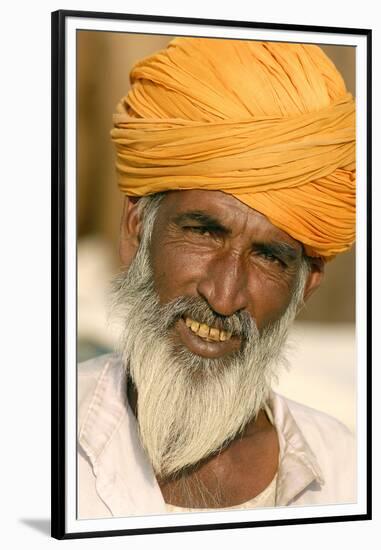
202, 218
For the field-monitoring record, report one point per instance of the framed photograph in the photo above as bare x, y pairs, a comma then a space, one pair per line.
211, 274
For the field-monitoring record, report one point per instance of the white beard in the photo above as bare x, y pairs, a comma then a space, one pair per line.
189, 407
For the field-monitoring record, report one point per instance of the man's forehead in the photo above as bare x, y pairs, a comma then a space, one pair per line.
225, 209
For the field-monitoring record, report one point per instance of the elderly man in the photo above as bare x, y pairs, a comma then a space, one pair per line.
237, 162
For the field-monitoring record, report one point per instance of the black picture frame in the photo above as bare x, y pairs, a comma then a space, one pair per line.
60, 282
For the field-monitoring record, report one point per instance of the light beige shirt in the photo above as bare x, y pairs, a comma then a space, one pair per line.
115, 478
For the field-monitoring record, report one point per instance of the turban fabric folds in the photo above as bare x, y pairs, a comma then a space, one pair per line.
269, 123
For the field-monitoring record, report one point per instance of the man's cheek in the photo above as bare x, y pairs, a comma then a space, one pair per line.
176, 270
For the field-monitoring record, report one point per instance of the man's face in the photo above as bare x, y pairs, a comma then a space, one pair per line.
209, 245
205, 304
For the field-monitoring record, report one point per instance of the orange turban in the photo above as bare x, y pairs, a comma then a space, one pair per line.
269, 123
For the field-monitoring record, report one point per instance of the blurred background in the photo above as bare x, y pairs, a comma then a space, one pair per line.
322, 344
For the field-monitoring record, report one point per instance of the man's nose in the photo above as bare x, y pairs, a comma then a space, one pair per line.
224, 284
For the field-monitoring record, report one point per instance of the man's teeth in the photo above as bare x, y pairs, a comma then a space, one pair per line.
207, 332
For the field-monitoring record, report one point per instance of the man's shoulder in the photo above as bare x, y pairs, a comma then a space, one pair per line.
309, 415
91, 372
92, 366
323, 442
320, 429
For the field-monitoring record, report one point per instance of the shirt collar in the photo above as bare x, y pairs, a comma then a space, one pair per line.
298, 466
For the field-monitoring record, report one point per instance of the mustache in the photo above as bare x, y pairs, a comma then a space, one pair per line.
240, 324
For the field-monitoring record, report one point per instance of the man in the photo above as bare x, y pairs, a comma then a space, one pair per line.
237, 162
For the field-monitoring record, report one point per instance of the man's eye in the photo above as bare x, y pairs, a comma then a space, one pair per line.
198, 230
269, 257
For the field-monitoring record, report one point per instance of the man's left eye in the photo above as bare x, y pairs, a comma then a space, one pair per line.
199, 230
270, 257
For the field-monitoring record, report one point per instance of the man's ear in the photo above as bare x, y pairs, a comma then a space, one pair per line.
129, 231
315, 276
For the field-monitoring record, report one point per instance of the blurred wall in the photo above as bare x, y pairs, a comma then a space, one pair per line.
104, 63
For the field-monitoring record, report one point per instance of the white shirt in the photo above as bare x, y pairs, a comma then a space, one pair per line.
115, 477
265, 498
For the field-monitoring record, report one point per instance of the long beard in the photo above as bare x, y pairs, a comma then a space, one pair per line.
190, 407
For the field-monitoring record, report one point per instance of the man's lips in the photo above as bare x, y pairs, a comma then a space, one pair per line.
210, 344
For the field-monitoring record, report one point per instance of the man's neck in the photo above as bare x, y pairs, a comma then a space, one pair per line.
236, 474
239, 472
